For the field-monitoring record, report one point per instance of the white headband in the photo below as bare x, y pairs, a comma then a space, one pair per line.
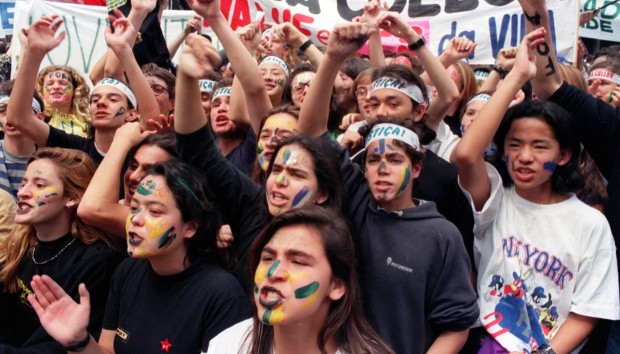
385, 82
481, 74
108, 81
36, 107
222, 91
281, 63
479, 97
206, 85
605, 75
393, 131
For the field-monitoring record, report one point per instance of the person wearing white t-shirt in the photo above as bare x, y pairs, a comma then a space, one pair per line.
546, 262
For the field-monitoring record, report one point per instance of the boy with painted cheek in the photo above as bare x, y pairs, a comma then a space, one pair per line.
206, 92
58, 89
392, 98
389, 169
605, 85
275, 73
112, 102
276, 127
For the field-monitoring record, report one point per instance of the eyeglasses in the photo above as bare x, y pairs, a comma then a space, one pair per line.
158, 89
362, 92
299, 87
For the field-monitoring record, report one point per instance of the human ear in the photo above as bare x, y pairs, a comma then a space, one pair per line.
133, 115
321, 198
337, 289
71, 202
190, 229
565, 156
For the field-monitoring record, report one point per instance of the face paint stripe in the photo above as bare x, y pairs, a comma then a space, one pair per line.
273, 268
381, 146
166, 239
266, 316
550, 166
404, 179
286, 154
307, 290
302, 197
382, 166
150, 187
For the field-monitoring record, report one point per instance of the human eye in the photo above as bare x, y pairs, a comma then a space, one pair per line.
155, 212
372, 159
265, 257
40, 185
276, 168
133, 208
299, 261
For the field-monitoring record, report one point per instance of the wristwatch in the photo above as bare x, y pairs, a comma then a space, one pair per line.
544, 349
417, 44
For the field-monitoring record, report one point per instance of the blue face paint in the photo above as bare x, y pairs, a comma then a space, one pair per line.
462, 129
381, 146
286, 154
382, 166
301, 197
507, 162
390, 147
550, 166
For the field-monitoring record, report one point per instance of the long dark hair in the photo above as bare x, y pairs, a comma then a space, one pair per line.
345, 320
188, 189
565, 179
326, 168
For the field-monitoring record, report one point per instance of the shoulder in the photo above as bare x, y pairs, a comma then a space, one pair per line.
232, 339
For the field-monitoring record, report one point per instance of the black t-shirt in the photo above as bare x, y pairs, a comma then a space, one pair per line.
244, 155
58, 138
92, 265
149, 312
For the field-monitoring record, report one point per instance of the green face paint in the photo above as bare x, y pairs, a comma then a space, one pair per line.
38, 172
273, 268
146, 188
255, 288
307, 290
266, 316
134, 214
120, 112
166, 239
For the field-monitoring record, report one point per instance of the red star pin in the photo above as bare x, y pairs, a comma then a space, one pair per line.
165, 345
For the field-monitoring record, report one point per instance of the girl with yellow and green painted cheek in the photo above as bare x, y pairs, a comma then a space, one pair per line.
277, 127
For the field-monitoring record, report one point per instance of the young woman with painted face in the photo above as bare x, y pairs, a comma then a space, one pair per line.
139, 151
173, 281
49, 238
400, 240
536, 294
65, 94
306, 292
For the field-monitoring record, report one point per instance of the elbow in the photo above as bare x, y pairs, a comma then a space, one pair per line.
463, 157
88, 212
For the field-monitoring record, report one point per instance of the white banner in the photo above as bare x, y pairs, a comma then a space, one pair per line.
606, 24
492, 24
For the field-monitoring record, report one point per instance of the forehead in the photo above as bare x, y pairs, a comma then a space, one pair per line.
156, 80
58, 75
295, 155
304, 76
152, 187
42, 168
384, 146
384, 94
221, 98
271, 67
476, 105
530, 128
107, 90
151, 154
281, 121
300, 238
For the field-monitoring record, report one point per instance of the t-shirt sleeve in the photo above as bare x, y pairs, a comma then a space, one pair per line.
596, 290
485, 217
453, 301
597, 123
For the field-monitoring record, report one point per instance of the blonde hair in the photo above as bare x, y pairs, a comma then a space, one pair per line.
81, 92
75, 169
573, 76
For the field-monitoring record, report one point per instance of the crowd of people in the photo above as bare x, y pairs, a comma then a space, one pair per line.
278, 197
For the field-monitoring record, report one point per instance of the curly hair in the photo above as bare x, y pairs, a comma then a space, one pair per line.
81, 92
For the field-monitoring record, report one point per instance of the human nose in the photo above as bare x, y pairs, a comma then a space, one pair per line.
382, 111
277, 271
383, 168
136, 176
526, 155
136, 218
24, 192
281, 179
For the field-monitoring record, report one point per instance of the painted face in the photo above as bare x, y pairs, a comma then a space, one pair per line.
160, 90
109, 108
205, 98
471, 112
275, 79
41, 195
277, 127
57, 88
386, 103
220, 121
155, 227
531, 155
300, 85
604, 90
362, 94
142, 161
292, 182
390, 174
274, 45
293, 281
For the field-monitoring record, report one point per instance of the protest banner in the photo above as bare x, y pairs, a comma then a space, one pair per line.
606, 24
492, 24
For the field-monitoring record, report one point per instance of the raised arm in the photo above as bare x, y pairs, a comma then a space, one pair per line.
548, 78
121, 43
246, 68
447, 91
343, 41
468, 154
291, 35
99, 206
192, 26
197, 60
38, 40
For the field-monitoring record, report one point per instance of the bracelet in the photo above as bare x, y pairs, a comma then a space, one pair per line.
501, 71
417, 44
544, 349
79, 346
306, 44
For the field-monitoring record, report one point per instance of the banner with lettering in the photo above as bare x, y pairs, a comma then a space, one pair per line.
606, 24
493, 24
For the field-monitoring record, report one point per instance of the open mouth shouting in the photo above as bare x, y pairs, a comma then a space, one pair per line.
270, 297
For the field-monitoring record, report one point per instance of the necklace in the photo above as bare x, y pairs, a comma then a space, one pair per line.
51, 259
